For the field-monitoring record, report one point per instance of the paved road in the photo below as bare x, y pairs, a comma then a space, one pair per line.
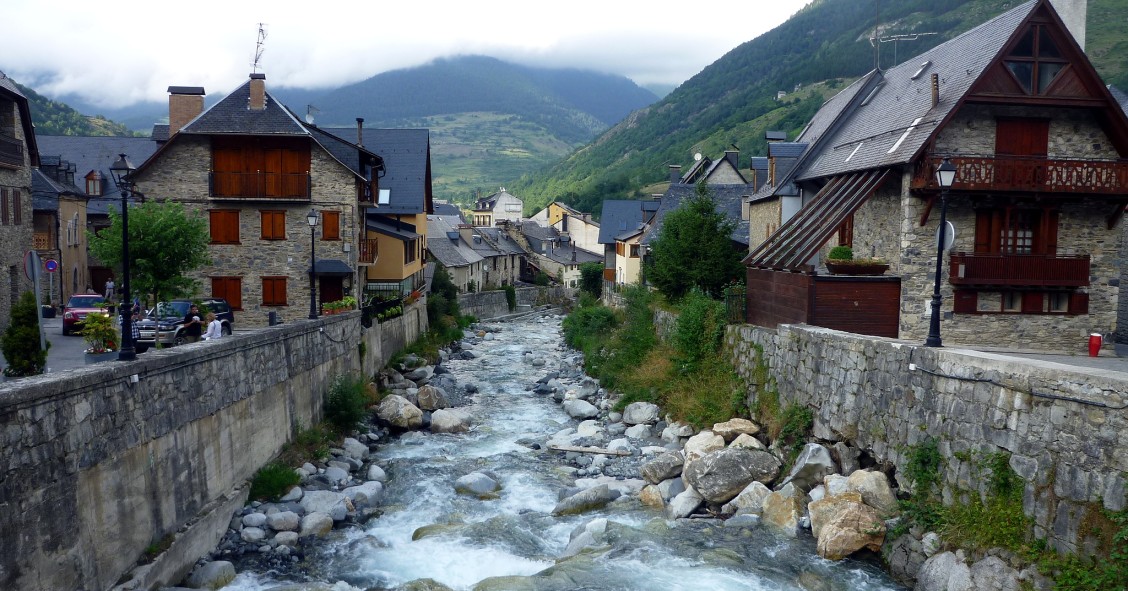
66, 352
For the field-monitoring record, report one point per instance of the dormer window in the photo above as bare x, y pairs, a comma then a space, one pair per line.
1035, 60
94, 183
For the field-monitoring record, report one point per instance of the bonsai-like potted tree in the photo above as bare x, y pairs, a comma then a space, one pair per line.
100, 334
841, 261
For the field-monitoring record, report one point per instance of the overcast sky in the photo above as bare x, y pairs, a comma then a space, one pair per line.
118, 53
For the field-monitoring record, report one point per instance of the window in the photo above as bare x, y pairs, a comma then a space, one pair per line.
273, 225
634, 251
1059, 302
273, 291
1012, 301
231, 289
1014, 230
409, 251
330, 225
224, 226
17, 208
846, 232
94, 183
4, 207
1035, 60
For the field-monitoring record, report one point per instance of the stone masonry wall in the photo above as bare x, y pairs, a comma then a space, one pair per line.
492, 304
763, 219
15, 239
95, 467
1065, 428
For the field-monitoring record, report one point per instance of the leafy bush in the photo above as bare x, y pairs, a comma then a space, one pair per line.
841, 253
511, 297
541, 279
346, 402
699, 330
21, 340
272, 481
588, 324
591, 278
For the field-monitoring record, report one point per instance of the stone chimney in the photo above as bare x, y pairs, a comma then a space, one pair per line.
185, 103
258, 92
1074, 14
675, 173
360, 131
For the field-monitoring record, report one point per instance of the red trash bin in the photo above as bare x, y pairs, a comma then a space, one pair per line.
1095, 341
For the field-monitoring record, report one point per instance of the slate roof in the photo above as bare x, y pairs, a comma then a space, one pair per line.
892, 127
45, 190
7, 86
407, 161
98, 153
563, 254
760, 165
451, 253
331, 267
448, 209
232, 116
538, 232
501, 241
1120, 96
619, 215
159, 133
345, 151
729, 200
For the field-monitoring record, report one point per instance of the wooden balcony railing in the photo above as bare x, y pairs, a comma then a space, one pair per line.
11, 151
1028, 174
259, 185
368, 251
1029, 270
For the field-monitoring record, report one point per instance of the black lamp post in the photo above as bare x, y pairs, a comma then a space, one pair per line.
120, 170
945, 176
311, 219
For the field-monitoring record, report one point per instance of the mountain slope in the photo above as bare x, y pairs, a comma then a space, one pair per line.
55, 118
827, 40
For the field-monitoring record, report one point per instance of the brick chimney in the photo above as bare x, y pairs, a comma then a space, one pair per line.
258, 92
185, 103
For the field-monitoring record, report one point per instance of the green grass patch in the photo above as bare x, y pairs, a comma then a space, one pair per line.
272, 481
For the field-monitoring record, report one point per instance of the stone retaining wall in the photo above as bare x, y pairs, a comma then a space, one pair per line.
492, 304
97, 466
1065, 428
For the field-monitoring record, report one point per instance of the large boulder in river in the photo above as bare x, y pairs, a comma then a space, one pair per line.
333, 504
663, 467
212, 575
824, 510
397, 411
944, 572
875, 490
586, 500
477, 484
445, 421
782, 510
750, 500
813, 463
432, 398
641, 413
856, 526
703, 443
721, 475
731, 428
684, 504
580, 409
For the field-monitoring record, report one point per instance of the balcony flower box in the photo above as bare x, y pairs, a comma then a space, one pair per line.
857, 267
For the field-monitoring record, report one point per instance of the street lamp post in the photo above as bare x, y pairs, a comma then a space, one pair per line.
311, 219
120, 170
945, 176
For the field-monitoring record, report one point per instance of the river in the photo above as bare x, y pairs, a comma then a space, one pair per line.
514, 537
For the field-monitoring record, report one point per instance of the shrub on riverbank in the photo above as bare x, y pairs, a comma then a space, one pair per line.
346, 402
272, 481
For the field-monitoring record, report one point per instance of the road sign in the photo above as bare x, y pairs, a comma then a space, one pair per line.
50, 265
31, 264
949, 235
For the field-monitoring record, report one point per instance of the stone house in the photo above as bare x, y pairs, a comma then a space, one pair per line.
622, 225
1038, 145
448, 244
499, 206
578, 226
255, 172
18, 156
74, 192
503, 256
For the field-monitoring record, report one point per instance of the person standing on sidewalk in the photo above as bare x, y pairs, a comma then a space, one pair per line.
193, 327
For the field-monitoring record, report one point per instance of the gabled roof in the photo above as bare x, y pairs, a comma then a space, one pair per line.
407, 160
232, 116
448, 209
538, 232
619, 215
45, 190
346, 152
729, 200
898, 118
97, 154
563, 254
501, 241
390, 227
449, 252
9, 88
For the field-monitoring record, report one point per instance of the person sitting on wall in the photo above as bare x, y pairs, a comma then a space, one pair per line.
192, 325
215, 328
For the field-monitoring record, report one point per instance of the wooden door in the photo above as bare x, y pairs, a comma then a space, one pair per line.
331, 288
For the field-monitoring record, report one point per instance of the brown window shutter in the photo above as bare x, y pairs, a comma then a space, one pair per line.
966, 301
1049, 241
17, 208
330, 225
1079, 303
983, 219
4, 207
280, 225
1033, 302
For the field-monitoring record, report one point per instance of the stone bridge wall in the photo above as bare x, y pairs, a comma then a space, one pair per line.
1065, 428
95, 467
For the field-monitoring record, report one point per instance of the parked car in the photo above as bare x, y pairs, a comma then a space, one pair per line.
168, 318
78, 307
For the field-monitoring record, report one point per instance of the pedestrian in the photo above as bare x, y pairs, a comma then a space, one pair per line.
215, 327
110, 289
192, 325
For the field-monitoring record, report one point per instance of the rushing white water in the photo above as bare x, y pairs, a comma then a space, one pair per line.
467, 540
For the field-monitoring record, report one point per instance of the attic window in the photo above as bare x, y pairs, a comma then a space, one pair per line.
1035, 60
94, 183
385, 197
923, 67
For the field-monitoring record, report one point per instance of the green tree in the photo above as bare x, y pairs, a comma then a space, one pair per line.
21, 340
694, 249
166, 242
591, 278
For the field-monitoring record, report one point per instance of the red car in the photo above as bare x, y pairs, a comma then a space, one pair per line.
78, 307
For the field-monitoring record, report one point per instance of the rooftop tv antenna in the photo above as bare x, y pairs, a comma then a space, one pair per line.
259, 48
310, 110
876, 42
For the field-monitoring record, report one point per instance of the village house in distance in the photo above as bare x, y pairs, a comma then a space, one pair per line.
18, 156
1038, 145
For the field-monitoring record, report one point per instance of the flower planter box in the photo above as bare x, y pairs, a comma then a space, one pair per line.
100, 357
856, 268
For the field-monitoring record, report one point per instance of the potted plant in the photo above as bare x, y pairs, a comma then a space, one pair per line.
99, 332
841, 261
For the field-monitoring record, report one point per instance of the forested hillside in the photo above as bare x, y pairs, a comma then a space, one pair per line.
729, 101
53, 118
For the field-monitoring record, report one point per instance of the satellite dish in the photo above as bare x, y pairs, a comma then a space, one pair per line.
697, 157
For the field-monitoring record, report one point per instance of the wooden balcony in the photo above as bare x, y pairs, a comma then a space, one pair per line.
368, 251
1029, 174
1030, 270
11, 151
259, 185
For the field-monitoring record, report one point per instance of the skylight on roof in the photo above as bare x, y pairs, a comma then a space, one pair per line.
923, 67
385, 197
